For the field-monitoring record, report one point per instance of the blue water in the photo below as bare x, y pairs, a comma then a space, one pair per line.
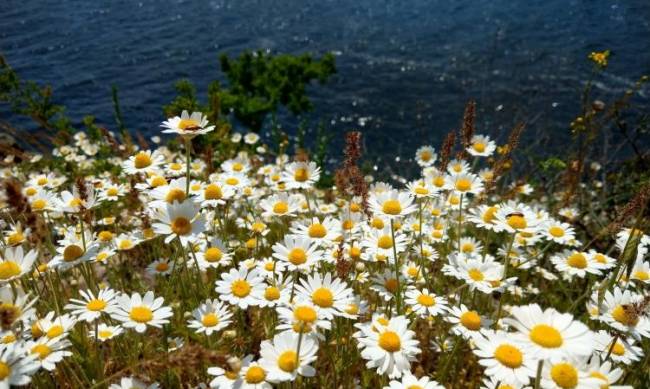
405, 68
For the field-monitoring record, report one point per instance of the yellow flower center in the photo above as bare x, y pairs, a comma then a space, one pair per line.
355, 252
391, 207
237, 167
42, 181
96, 305
181, 226
391, 285
54, 331
517, 222
641, 275
618, 349
288, 361
355, 207
269, 266
301, 175
142, 160
463, 185
105, 236
564, 375
305, 314
509, 356
213, 254
104, 334
9, 269
212, 192
475, 274
240, 288
15, 238
439, 181
426, 300
421, 190
187, 123
454, 200
426, 156
255, 375
112, 191
158, 181
323, 297
317, 230
162, 267
232, 181
76, 202
281, 208
577, 260
471, 320
390, 341
72, 253
42, 350
125, 244
385, 242
39, 204
175, 194
272, 293
209, 320
479, 146
30, 191
297, 256
347, 224
546, 336
602, 377
412, 271
141, 314
556, 231
352, 309
467, 247
7, 339
621, 315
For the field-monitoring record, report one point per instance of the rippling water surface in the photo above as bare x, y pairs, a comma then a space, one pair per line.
405, 68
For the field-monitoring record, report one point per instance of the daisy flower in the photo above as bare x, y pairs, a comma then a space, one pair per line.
282, 360
301, 175
159, 267
516, 218
568, 373
464, 183
186, 125
214, 194
89, 308
297, 252
105, 332
617, 313
549, 333
179, 220
424, 304
43, 201
425, 156
14, 263
302, 317
504, 358
605, 374
575, 263
48, 352
16, 234
126, 241
330, 295
133, 383
144, 161
16, 367
457, 166
112, 192
215, 255
280, 204
558, 232
240, 287
171, 193
467, 323
211, 316
481, 146
323, 231
391, 204
623, 351
409, 381
138, 312
389, 348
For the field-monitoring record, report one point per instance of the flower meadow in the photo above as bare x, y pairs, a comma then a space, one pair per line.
157, 267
